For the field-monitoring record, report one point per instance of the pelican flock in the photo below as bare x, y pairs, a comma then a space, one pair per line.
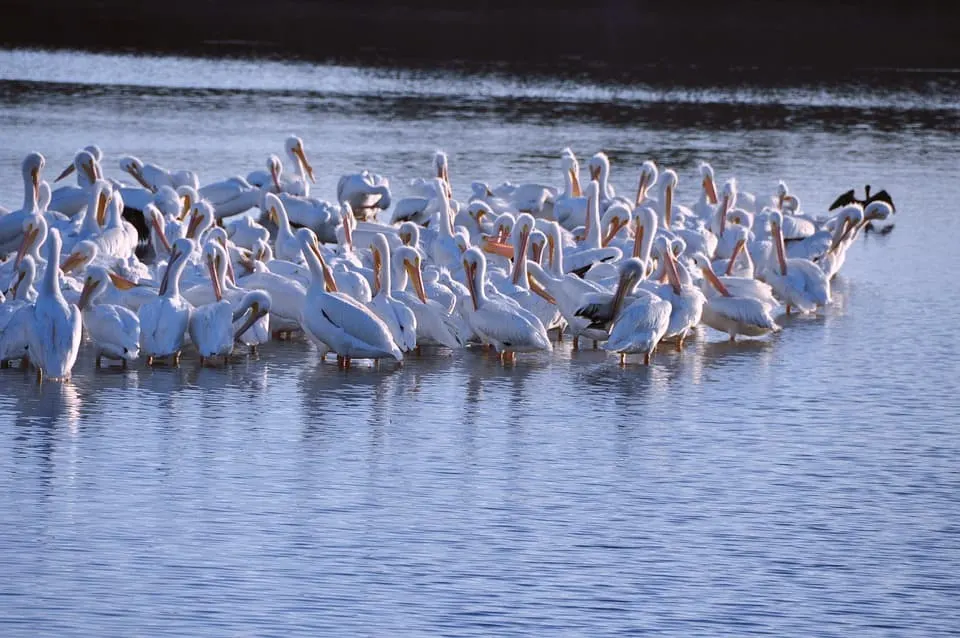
165, 264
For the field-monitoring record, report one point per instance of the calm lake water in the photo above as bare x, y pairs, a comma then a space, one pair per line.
802, 485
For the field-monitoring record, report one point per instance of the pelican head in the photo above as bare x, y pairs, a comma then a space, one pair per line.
632, 272
34, 236
503, 226
182, 249
462, 243
295, 150
599, 166
701, 261
215, 258
409, 260
877, 210
477, 209
82, 255
254, 305
85, 163
538, 241
275, 168
616, 218
31, 167
571, 166
188, 197
95, 282
133, 166
309, 244
648, 177
741, 217
475, 267
26, 272
790, 204
201, 218
409, 234
708, 182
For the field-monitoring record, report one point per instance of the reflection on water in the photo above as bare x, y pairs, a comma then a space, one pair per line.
798, 485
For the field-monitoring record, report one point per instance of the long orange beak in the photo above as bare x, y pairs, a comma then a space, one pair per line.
536, 288
122, 283
413, 271
275, 175
638, 239
192, 226
88, 169
377, 265
306, 165
35, 176
668, 206
617, 225
161, 233
16, 286
101, 211
214, 280
733, 256
187, 204
28, 238
471, 283
74, 260
521, 255
642, 188
723, 214
577, 191
88, 287
497, 248
714, 280
710, 189
778, 239
137, 175
67, 171
328, 279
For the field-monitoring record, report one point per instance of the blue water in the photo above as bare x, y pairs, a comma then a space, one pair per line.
801, 485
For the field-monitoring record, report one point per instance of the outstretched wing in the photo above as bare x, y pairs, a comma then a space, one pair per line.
843, 200
883, 196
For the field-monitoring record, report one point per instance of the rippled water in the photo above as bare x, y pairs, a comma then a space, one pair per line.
801, 485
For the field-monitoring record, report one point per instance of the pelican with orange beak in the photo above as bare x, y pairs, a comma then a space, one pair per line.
496, 321
436, 325
164, 321
733, 314
11, 224
800, 283
114, 329
400, 319
335, 321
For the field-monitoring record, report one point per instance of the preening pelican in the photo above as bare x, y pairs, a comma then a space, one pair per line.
436, 325
153, 177
394, 313
296, 183
364, 192
638, 328
114, 330
506, 326
11, 224
337, 322
56, 330
163, 322
799, 282
731, 313
16, 314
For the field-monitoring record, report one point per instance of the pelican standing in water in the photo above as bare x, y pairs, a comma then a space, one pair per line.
11, 224
640, 326
115, 330
163, 322
799, 282
56, 329
394, 313
501, 323
335, 321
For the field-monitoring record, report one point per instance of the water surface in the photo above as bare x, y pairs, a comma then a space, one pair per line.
800, 485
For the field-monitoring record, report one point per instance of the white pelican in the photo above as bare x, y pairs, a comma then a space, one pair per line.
507, 326
118, 238
733, 314
444, 250
215, 327
55, 331
364, 191
16, 313
704, 206
231, 196
163, 322
400, 319
570, 207
11, 224
648, 177
286, 295
35, 232
153, 177
799, 282
115, 330
436, 325
321, 216
69, 199
599, 166
334, 321
590, 251
296, 184
639, 327
245, 232
685, 300
533, 298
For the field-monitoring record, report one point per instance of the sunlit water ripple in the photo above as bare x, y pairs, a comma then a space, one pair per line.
800, 485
